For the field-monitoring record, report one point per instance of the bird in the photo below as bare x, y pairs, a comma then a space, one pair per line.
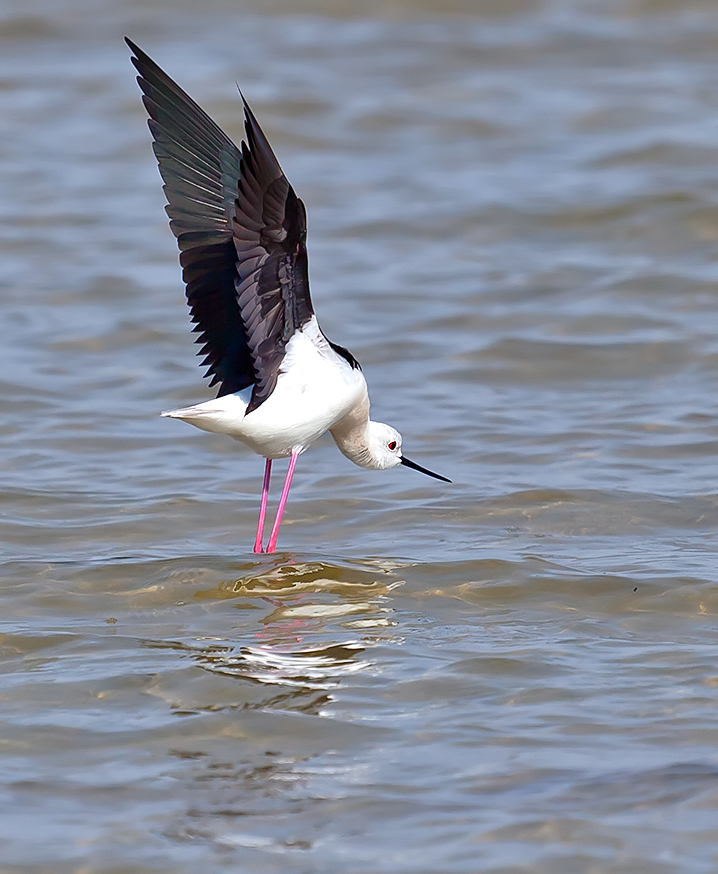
241, 232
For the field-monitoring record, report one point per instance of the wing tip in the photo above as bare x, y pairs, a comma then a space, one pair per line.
136, 50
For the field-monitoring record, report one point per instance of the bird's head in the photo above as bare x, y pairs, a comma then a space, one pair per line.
384, 444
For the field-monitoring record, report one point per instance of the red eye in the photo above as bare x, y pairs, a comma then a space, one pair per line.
392, 445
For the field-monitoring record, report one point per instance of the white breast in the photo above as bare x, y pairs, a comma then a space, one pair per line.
316, 388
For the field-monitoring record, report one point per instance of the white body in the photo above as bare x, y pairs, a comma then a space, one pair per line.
317, 391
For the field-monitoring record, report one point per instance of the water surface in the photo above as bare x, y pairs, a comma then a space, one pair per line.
513, 226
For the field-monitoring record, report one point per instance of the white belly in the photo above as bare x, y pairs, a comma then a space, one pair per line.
315, 389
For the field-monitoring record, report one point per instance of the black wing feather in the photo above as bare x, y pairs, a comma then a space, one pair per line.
200, 169
270, 232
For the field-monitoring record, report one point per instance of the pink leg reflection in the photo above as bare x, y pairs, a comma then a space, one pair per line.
282, 502
263, 506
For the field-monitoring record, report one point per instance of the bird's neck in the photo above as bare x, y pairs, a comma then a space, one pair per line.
352, 437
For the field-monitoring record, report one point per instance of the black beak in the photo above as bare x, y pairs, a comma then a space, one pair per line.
414, 466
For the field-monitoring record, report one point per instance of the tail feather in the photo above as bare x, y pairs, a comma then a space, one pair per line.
223, 414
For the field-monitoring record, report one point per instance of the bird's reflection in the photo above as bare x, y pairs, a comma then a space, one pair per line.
322, 620
316, 668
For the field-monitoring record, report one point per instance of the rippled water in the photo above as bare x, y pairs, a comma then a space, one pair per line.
513, 225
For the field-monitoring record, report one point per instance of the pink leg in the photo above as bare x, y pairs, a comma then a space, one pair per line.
282, 502
263, 506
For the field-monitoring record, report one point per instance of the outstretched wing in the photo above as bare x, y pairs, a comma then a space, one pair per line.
270, 232
241, 231
200, 168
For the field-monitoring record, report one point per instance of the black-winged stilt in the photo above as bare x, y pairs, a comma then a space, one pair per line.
241, 232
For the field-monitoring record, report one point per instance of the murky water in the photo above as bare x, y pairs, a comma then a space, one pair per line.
514, 226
